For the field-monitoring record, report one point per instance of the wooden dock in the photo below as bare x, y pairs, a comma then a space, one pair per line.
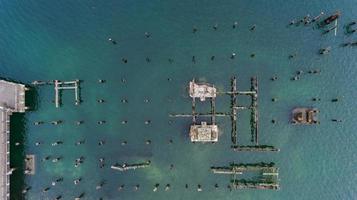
12, 99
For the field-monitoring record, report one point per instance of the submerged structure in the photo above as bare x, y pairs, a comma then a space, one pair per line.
12, 99
304, 116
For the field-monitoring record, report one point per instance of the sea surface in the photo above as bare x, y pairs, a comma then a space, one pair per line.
68, 40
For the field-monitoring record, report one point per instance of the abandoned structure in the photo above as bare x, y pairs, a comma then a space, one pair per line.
266, 175
30, 164
304, 116
66, 85
59, 86
202, 90
208, 132
204, 133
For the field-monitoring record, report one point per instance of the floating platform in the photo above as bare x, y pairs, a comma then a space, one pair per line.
306, 116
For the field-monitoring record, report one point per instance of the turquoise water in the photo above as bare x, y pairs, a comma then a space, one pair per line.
46, 40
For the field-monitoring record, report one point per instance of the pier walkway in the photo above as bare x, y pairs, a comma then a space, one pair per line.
12, 99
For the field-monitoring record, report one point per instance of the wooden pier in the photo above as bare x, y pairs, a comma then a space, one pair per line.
12, 99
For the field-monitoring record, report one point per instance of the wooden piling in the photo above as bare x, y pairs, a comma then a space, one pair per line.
254, 108
213, 111
234, 110
193, 111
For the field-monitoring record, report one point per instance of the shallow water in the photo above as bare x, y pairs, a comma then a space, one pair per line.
66, 40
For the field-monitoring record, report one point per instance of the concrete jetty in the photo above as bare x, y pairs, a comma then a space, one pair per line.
12, 99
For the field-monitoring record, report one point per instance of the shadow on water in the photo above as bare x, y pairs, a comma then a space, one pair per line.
12, 80
32, 100
17, 155
17, 152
